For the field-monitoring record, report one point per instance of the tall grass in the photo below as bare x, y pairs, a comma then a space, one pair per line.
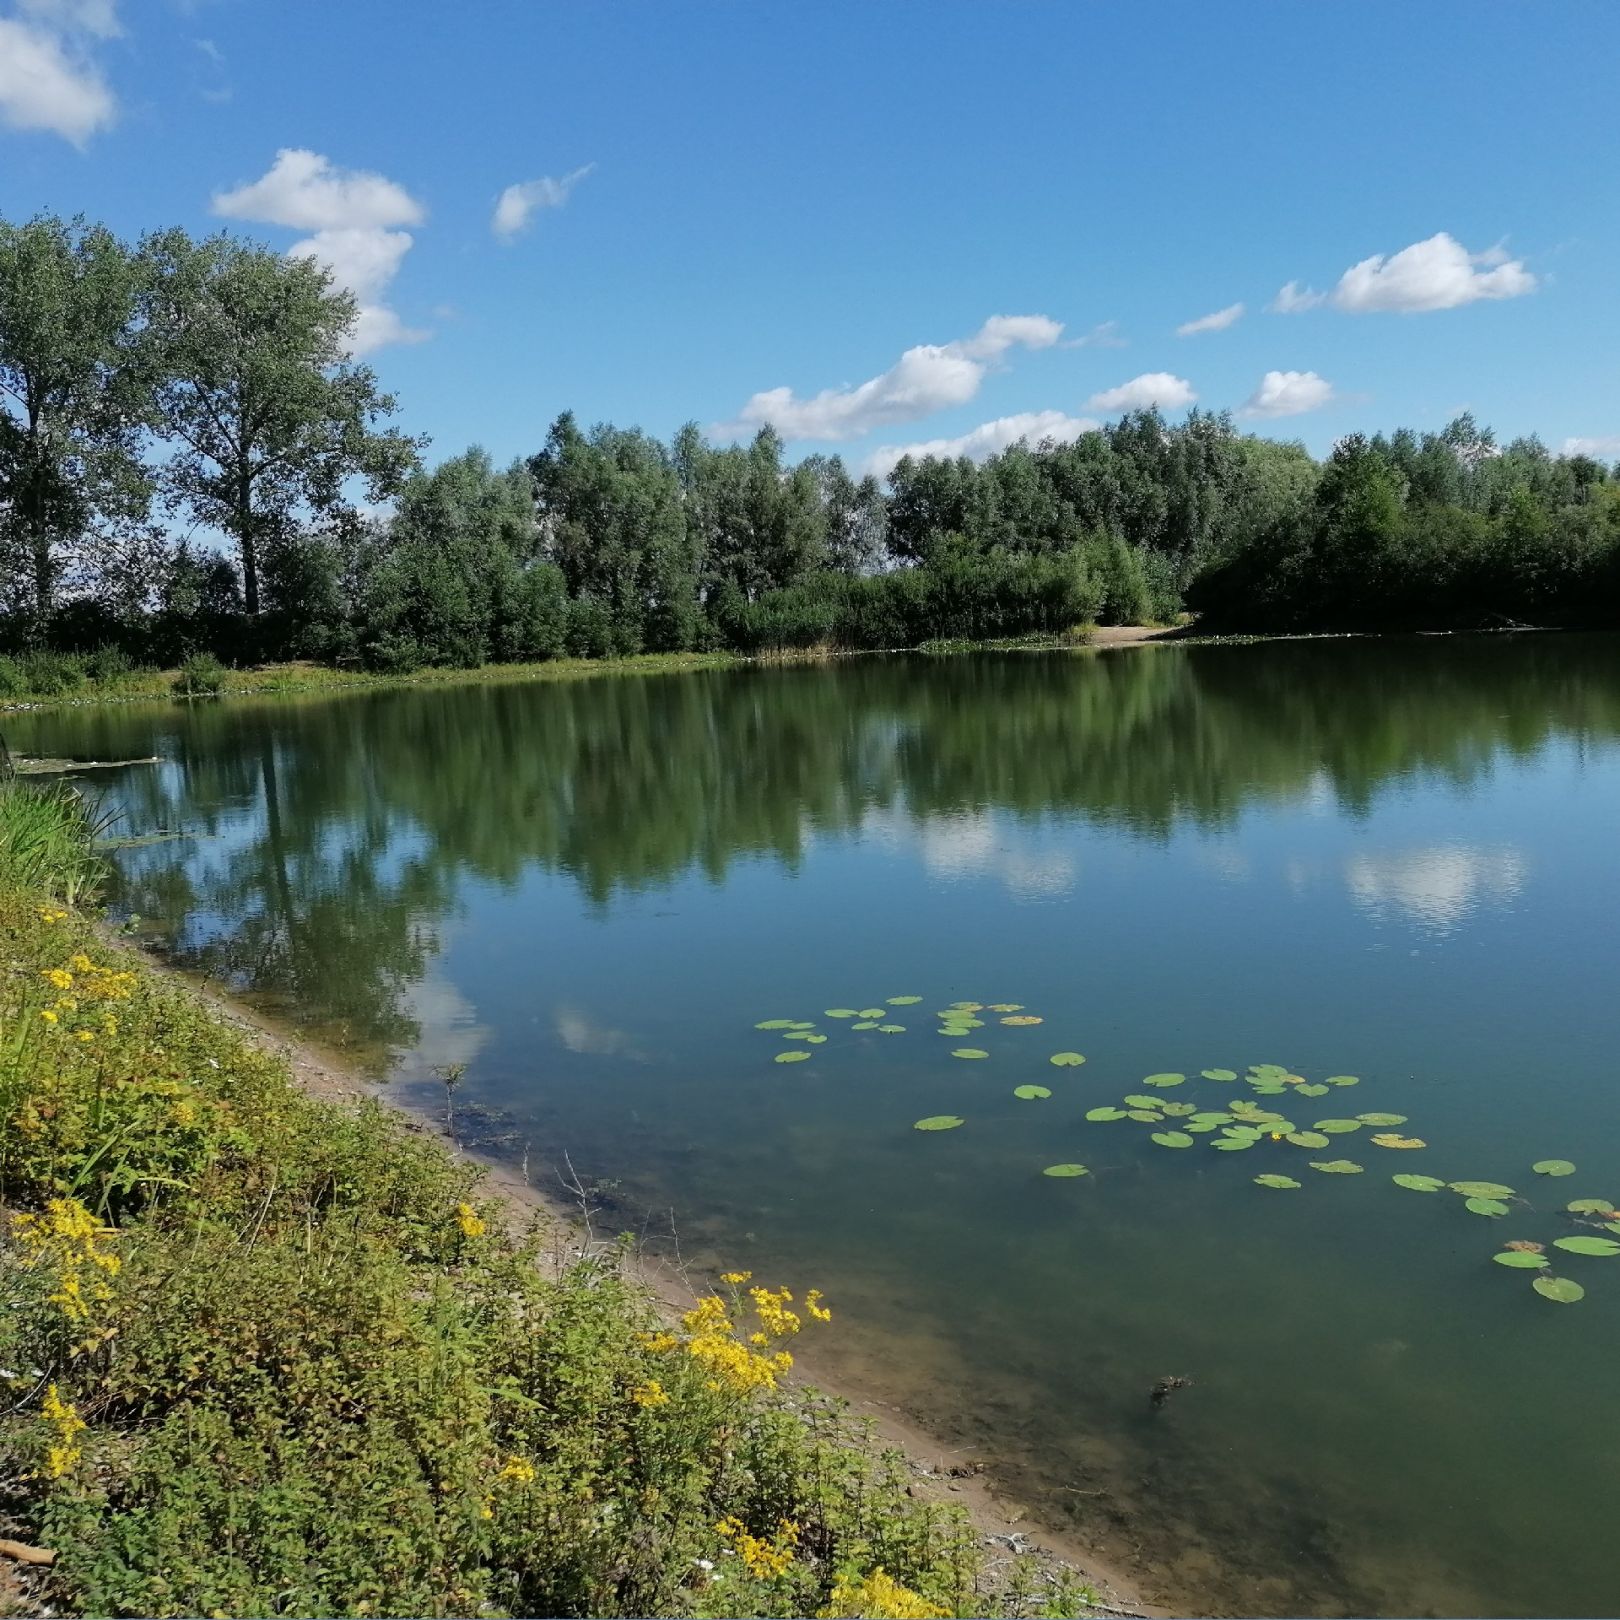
48, 842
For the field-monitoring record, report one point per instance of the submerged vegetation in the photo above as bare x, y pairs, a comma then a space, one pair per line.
268, 1354
151, 389
1243, 1124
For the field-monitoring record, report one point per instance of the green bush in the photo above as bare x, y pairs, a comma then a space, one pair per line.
202, 675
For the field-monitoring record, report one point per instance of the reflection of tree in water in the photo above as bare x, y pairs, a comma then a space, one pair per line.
344, 827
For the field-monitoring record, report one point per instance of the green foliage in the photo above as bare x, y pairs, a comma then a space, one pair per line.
202, 675
48, 841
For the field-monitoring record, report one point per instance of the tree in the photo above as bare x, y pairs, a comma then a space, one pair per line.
269, 417
73, 398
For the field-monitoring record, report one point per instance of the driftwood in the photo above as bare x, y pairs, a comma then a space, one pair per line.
24, 765
20, 1552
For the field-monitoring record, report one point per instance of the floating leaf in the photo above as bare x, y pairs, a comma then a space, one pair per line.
872, 1012
1029, 1093
1233, 1144
904, 1001
1553, 1167
1175, 1139
1201, 1126
1308, 1139
1259, 1116
802, 1023
1269, 1088
841, 1012
891, 1029
1559, 1289
1267, 1071
1145, 1116
801, 1035
1178, 1110
1419, 1183
967, 1006
1480, 1189
1164, 1080
777, 1023
1390, 1139
938, 1122
1521, 1259
814, 1040
1336, 1167
1382, 1119
795, 1056
1590, 1206
1219, 1074
1006, 1006
1137, 1100
1338, 1127
1486, 1206
1065, 1170
865, 1023
1211, 1116
1276, 1129
1023, 1020
970, 1052
1277, 1181
1313, 1091
1066, 1060
1342, 1080
1587, 1245
1104, 1114
1244, 1133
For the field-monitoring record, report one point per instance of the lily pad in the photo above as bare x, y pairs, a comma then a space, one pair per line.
841, 1012
1312, 1091
1101, 1115
1382, 1119
1065, 1170
1419, 1183
1392, 1139
1006, 1006
1587, 1245
1233, 1144
1308, 1139
1243, 1133
967, 1006
1030, 1093
891, 1029
1219, 1074
1553, 1167
1520, 1260
1277, 1181
938, 1122
1267, 1071
1493, 1207
802, 1023
1558, 1289
1480, 1189
1336, 1167
1137, 1100
1260, 1116
1211, 1116
865, 1023
1164, 1080
1175, 1110
777, 1023
1590, 1206
904, 1001
1023, 1020
872, 1012
1269, 1088
1202, 1127
1145, 1116
795, 1056
1342, 1080
1175, 1139
970, 1052
1337, 1127
1066, 1060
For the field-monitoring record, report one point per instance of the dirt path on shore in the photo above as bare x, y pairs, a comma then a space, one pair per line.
1005, 1527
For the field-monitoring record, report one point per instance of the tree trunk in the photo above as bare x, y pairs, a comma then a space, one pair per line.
246, 542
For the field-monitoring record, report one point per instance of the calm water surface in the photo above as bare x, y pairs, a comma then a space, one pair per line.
1394, 860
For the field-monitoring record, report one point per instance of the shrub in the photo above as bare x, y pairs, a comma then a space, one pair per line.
202, 675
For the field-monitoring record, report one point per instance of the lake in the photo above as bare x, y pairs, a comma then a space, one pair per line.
1393, 860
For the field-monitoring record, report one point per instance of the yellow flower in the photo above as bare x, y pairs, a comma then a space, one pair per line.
60, 977
763, 1559
47, 1015
87, 1034
81, 963
517, 1471
812, 1303
660, 1341
65, 1454
879, 1596
652, 1393
735, 1277
471, 1222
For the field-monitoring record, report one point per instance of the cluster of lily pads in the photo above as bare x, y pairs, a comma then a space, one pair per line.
1239, 1125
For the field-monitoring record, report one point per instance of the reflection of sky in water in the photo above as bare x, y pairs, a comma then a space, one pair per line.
1032, 863
1436, 887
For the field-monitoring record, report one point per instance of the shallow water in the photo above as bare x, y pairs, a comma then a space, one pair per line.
1396, 860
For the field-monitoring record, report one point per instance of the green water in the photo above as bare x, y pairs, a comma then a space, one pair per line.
1393, 860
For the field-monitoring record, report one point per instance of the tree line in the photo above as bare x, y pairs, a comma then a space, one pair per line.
189, 461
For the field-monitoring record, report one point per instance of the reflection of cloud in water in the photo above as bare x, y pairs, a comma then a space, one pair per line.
1437, 886
577, 1031
450, 1030
974, 845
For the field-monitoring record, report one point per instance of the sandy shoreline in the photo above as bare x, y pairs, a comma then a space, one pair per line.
947, 1474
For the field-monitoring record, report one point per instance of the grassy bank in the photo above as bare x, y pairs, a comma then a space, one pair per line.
53, 678
265, 1354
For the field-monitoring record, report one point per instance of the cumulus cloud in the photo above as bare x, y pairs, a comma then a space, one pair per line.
1603, 448
1160, 388
353, 217
928, 378
987, 439
1218, 321
518, 204
1437, 273
47, 80
1289, 393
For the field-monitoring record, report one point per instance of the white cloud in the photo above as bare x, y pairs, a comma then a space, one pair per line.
98, 18
1604, 447
988, 439
1159, 388
1436, 887
928, 378
353, 218
1216, 322
1289, 393
1104, 335
45, 80
518, 204
1437, 273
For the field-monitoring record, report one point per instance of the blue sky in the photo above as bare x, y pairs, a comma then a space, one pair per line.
736, 213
